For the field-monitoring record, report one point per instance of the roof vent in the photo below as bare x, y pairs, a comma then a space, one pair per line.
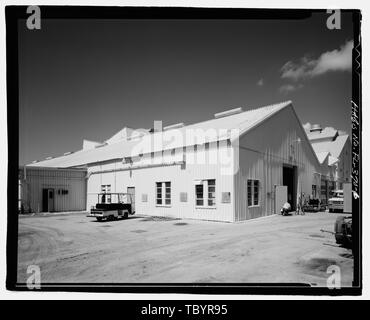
67, 153
228, 112
315, 128
174, 126
101, 145
135, 136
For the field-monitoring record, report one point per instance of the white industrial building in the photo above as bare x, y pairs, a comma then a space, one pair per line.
230, 168
334, 147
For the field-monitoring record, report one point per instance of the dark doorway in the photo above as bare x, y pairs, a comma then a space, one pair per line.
289, 180
47, 200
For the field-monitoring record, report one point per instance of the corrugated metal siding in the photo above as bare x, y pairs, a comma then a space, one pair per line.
181, 178
58, 179
345, 167
262, 153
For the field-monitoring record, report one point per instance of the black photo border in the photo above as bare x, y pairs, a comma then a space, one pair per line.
14, 13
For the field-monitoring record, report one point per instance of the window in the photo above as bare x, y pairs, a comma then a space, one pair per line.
163, 192
159, 192
249, 193
205, 188
168, 192
199, 195
253, 192
211, 192
105, 188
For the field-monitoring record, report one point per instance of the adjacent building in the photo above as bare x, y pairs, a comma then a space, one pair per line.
45, 189
333, 148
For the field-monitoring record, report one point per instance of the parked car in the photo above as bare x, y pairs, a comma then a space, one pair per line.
335, 203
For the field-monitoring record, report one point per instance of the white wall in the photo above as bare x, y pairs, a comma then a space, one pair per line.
263, 151
182, 179
39, 178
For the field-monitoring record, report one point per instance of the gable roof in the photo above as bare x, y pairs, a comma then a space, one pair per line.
243, 122
322, 156
334, 147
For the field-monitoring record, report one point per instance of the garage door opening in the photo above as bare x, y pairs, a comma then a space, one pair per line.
290, 180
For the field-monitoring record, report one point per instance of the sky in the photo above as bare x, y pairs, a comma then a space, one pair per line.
87, 79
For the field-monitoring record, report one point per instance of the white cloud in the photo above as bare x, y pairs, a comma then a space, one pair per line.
260, 83
336, 60
288, 88
307, 126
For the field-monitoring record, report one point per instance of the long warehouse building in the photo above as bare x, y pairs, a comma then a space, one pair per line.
237, 166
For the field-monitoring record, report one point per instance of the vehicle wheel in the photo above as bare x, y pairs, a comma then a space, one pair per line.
99, 219
125, 215
330, 210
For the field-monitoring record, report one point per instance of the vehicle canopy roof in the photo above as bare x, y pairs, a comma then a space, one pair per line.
114, 197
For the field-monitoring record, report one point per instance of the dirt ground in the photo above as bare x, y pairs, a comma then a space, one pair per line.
74, 248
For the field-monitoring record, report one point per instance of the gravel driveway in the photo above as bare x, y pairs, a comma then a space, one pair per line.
74, 248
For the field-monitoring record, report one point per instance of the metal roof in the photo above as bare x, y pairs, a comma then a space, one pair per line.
332, 160
327, 133
334, 147
243, 122
322, 156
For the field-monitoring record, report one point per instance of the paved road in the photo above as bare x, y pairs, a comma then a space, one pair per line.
74, 248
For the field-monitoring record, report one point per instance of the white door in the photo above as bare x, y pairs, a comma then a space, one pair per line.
131, 191
281, 196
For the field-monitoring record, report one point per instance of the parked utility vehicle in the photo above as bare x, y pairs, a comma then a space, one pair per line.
111, 206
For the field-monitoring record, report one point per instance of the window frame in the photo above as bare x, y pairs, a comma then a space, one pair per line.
163, 193
253, 189
208, 192
104, 187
